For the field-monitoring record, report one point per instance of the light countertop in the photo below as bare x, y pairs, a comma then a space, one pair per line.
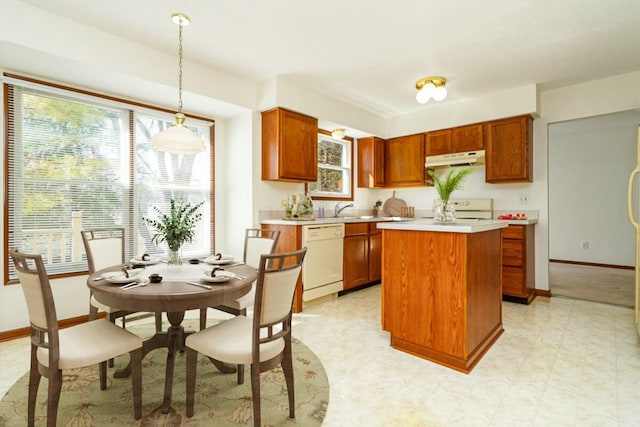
457, 226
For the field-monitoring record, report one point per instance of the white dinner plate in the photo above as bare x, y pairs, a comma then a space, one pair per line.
226, 259
150, 261
118, 277
216, 279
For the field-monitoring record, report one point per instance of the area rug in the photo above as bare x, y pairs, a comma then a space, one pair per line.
220, 401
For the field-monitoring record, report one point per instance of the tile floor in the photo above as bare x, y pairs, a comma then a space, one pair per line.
560, 362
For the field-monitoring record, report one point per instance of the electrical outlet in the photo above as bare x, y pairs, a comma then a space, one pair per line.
524, 198
585, 245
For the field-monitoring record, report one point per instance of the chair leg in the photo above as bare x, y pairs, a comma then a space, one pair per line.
136, 382
203, 318
53, 398
255, 394
34, 382
240, 369
103, 375
287, 368
158, 321
192, 363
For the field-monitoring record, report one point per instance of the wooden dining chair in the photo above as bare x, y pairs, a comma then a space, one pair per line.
54, 350
105, 248
263, 341
256, 243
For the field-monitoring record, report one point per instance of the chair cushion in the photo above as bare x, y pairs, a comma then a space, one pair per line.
230, 342
91, 343
102, 307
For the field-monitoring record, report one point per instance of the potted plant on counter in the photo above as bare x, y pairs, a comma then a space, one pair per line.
176, 228
376, 207
452, 180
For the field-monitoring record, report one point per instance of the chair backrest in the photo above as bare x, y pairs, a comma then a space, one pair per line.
37, 293
278, 276
258, 242
104, 247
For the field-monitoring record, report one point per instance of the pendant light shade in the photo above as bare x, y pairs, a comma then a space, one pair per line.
178, 138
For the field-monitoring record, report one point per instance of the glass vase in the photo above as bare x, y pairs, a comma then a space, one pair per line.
444, 212
175, 257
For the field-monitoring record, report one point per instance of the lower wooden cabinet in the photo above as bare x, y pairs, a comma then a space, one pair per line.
518, 263
362, 254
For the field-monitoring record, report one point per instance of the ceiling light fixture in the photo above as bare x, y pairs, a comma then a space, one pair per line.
338, 133
431, 87
178, 138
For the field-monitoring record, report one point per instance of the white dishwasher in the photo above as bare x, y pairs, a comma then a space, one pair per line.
322, 267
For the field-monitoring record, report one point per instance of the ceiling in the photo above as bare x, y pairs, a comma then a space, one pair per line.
371, 52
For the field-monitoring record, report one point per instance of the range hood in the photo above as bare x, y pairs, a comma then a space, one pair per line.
467, 158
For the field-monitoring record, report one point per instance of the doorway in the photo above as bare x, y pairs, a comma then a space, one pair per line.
591, 242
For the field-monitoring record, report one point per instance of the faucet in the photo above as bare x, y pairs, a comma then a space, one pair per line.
338, 209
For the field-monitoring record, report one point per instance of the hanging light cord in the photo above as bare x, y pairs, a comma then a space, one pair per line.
180, 67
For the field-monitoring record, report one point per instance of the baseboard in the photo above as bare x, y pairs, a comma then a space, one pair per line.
542, 293
593, 264
64, 323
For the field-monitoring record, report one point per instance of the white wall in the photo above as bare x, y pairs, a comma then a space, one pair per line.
590, 161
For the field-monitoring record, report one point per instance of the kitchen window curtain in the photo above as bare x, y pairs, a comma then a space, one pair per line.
77, 161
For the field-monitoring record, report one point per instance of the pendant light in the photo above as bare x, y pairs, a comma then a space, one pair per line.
178, 138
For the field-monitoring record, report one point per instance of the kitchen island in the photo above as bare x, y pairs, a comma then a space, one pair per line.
441, 289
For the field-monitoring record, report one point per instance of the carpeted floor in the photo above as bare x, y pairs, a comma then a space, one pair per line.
220, 401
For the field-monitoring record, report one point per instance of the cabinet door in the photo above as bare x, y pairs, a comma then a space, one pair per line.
509, 150
370, 162
289, 146
467, 138
356, 260
438, 142
404, 166
375, 256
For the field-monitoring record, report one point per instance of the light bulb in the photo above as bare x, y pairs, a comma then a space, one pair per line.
422, 97
425, 93
440, 93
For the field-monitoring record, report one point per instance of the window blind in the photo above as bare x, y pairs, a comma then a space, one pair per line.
76, 161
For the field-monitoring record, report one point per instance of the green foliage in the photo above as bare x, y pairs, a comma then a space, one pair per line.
452, 181
177, 227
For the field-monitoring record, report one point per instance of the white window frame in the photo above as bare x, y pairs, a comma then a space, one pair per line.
346, 168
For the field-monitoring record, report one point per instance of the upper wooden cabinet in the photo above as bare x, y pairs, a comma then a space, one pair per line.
509, 149
404, 161
289, 146
455, 140
467, 138
371, 162
438, 142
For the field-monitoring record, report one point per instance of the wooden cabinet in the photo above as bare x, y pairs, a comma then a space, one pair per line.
441, 294
362, 254
455, 140
289, 146
404, 161
371, 162
467, 138
509, 149
438, 142
518, 263
375, 252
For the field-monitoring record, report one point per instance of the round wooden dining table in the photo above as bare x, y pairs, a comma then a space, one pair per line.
176, 293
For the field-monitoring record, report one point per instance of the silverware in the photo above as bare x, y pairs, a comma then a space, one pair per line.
199, 285
133, 285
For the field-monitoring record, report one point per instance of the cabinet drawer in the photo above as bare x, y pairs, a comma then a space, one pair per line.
512, 280
356, 228
513, 253
513, 232
373, 228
